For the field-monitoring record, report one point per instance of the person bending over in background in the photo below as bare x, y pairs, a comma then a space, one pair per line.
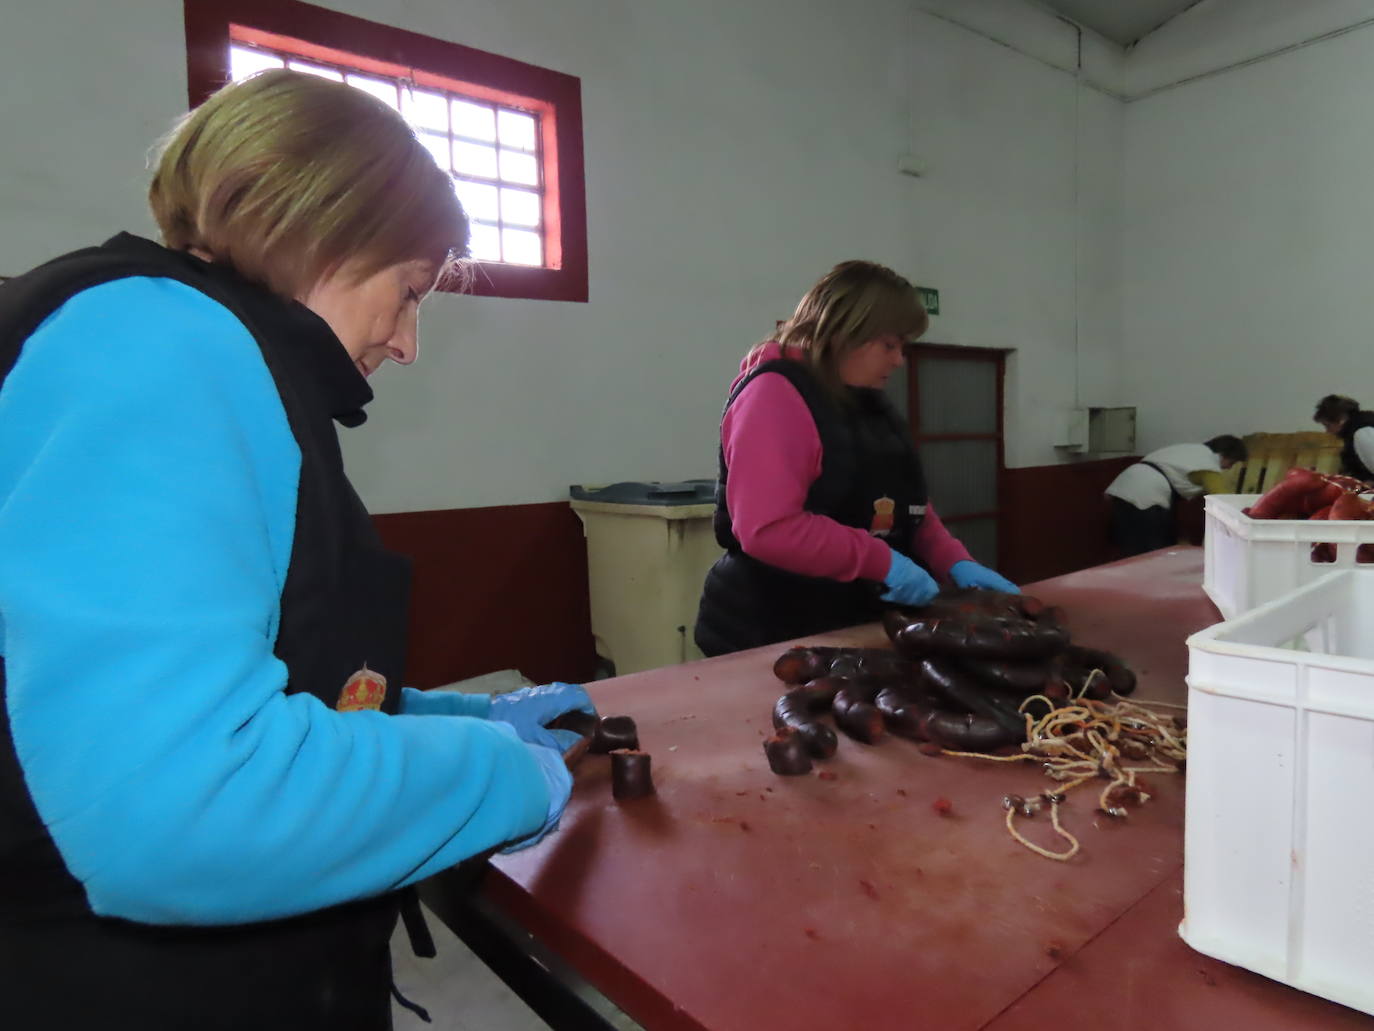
1343, 417
821, 502
212, 784
1142, 517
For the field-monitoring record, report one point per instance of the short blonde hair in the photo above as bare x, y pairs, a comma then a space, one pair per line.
855, 302
289, 177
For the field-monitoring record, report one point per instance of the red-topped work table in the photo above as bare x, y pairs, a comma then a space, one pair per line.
738, 899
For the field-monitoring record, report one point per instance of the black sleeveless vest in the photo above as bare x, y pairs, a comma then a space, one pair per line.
343, 605
1350, 458
870, 478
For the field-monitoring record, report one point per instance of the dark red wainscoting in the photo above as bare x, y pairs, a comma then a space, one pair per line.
495, 588
506, 587
1054, 518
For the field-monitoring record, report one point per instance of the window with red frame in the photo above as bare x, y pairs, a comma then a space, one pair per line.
510, 134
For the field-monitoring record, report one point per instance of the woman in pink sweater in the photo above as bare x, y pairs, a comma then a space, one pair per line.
821, 504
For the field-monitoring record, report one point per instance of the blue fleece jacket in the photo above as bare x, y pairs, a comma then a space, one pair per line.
147, 501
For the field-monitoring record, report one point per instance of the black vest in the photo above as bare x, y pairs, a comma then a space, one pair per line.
1350, 458
343, 605
870, 478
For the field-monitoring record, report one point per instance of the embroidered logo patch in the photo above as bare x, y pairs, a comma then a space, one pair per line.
363, 690
882, 517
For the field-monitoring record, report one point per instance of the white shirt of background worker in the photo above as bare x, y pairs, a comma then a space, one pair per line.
1144, 487
1364, 445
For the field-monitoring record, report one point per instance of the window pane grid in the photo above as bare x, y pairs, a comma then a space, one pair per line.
491, 151
458, 137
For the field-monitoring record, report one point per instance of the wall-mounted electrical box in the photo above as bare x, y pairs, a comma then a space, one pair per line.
1099, 431
1111, 431
1073, 430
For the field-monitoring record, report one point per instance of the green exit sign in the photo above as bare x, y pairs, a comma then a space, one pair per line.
930, 299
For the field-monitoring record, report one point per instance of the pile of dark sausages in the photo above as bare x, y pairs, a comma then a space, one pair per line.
962, 668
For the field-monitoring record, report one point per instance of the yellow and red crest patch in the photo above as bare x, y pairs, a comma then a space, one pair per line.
363, 690
883, 509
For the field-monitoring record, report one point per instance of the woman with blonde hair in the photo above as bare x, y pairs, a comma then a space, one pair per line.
213, 787
821, 502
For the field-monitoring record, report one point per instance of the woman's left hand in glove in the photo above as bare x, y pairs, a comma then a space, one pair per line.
970, 574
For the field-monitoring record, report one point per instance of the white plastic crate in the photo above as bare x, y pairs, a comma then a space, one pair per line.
1278, 844
1250, 561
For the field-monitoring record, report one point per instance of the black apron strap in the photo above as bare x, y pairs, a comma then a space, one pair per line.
414, 1007
421, 941
1173, 491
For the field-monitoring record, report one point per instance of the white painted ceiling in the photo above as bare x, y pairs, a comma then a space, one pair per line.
1122, 21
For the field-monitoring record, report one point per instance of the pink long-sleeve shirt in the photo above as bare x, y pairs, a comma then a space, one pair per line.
773, 455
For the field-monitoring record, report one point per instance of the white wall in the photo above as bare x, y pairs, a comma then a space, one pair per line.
1033, 30
735, 150
996, 221
1250, 265
1218, 34
80, 111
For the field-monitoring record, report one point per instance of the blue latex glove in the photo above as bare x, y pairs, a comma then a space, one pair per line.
559, 781
907, 583
971, 574
528, 709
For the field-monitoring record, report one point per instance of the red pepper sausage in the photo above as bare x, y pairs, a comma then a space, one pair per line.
1285, 500
1323, 497
1349, 506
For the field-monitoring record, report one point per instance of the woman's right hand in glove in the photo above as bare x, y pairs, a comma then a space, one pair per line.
907, 583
